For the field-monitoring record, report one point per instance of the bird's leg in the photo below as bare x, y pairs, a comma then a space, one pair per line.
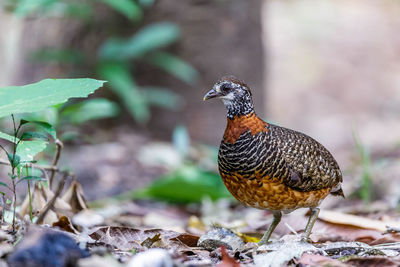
275, 222
310, 224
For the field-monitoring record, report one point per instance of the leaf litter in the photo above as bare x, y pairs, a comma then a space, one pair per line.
213, 233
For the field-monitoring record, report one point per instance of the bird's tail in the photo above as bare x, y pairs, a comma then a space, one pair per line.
337, 191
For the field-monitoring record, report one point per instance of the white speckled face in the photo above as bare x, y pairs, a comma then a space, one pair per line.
236, 98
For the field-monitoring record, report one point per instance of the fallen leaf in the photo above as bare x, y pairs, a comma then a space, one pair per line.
38, 203
125, 238
74, 197
187, 239
358, 221
377, 261
64, 224
227, 261
308, 259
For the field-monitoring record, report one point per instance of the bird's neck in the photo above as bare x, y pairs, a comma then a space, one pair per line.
241, 124
237, 109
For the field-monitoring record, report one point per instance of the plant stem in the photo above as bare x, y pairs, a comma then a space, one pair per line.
55, 161
29, 195
13, 174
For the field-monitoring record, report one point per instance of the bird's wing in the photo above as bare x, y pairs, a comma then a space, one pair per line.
309, 165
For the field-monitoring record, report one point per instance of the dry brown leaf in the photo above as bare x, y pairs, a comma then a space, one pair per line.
308, 259
227, 260
126, 238
60, 206
74, 197
377, 261
64, 224
358, 221
38, 204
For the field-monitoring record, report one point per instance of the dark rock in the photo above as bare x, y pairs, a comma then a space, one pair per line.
46, 248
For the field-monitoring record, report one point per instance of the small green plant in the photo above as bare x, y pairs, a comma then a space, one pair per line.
26, 144
366, 192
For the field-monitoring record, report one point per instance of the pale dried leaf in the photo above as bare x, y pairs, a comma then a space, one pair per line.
358, 221
308, 259
74, 197
125, 238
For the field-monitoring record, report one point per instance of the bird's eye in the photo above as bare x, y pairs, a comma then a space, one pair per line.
224, 87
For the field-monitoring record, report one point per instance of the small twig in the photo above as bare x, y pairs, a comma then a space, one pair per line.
55, 161
50, 204
44, 167
291, 229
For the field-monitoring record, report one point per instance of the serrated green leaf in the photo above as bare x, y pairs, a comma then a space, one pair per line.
33, 135
49, 92
174, 66
122, 84
129, 8
149, 38
27, 150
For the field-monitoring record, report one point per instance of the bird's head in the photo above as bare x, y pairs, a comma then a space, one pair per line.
235, 95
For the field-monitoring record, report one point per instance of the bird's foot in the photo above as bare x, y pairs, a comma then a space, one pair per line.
306, 239
263, 242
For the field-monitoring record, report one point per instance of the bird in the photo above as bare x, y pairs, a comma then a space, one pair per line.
270, 167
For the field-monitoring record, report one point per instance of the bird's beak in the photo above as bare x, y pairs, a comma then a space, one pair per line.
211, 94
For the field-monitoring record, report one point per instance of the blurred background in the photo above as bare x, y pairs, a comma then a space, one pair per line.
327, 68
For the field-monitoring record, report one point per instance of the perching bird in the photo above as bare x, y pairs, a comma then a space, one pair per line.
270, 167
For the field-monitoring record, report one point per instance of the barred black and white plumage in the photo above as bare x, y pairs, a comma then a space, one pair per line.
296, 159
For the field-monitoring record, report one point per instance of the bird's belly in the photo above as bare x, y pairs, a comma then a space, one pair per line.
271, 194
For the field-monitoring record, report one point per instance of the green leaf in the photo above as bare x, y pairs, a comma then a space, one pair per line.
32, 177
129, 8
55, 55
123, 85
162, 97
26, 7
186, 184
12, 176
3, 184
27, 150
8, 137
49, 92
13, 159
33, 135
44, 125
146, 3
174, 66
92, 109
8, 201
149, 38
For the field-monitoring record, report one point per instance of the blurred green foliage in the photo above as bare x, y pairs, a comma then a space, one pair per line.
186, 184
367, 191
117, 58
